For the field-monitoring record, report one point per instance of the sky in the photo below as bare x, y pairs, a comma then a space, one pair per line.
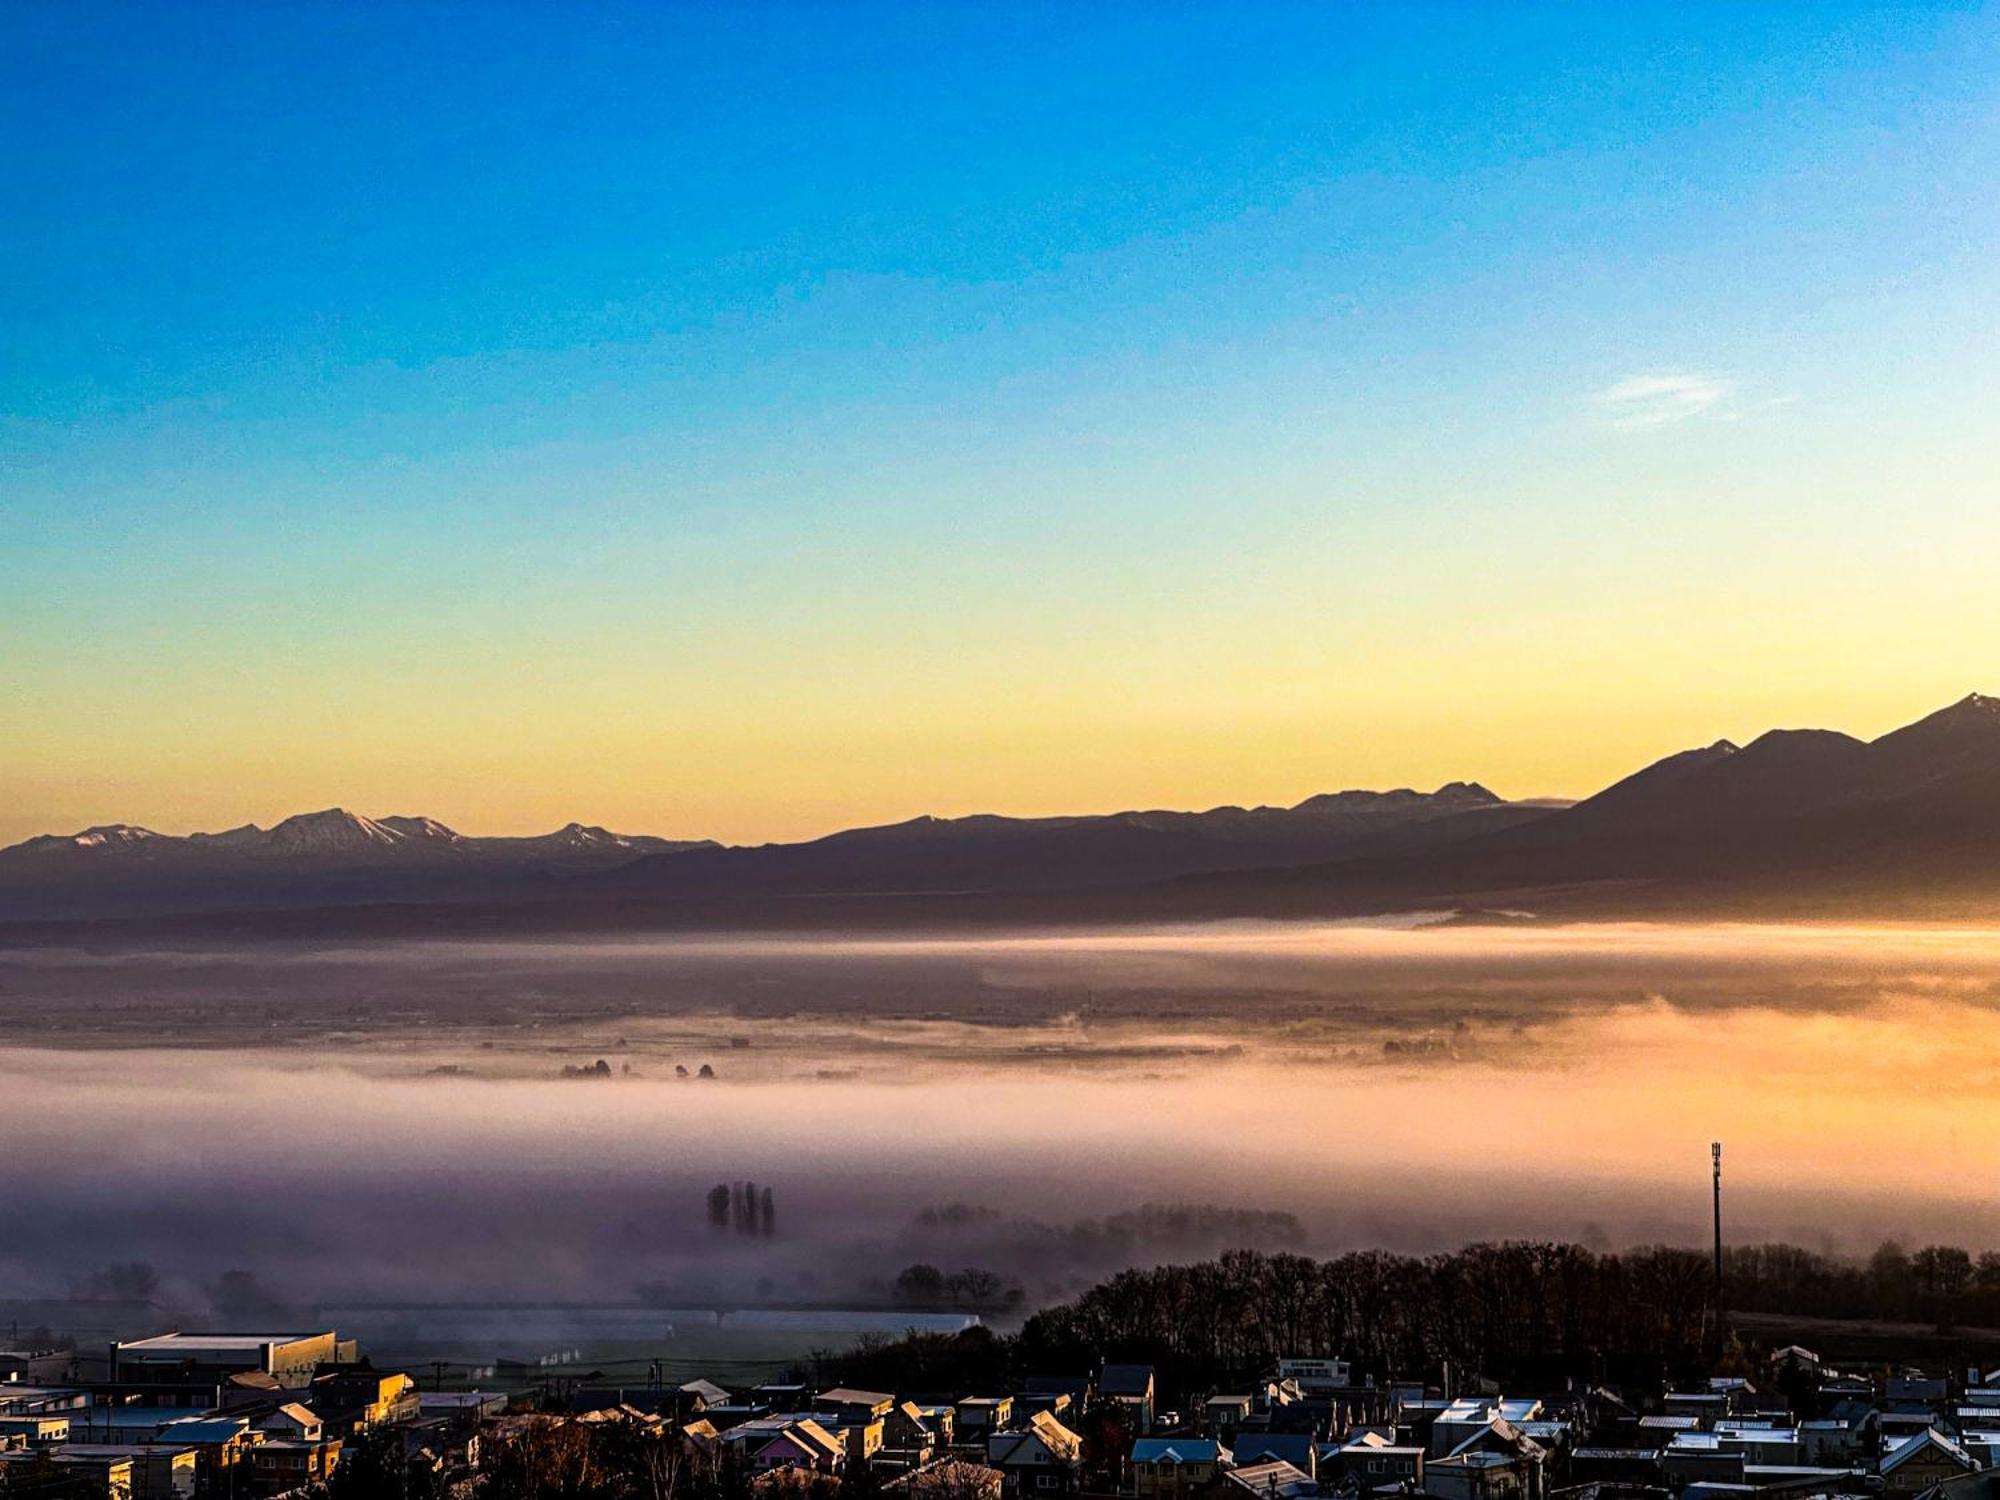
746, 421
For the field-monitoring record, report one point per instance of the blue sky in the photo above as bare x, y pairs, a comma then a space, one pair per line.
770, 417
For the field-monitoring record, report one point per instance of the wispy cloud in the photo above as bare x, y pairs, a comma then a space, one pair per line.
1660, 400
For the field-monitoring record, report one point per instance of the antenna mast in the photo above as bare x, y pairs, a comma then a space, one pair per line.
1715, 1156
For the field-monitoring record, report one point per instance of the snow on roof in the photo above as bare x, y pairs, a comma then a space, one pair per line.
1916, 1442
184, 1343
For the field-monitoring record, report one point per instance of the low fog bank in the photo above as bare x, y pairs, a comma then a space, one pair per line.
228, 1131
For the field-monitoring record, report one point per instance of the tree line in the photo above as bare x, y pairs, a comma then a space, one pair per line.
1526, 1311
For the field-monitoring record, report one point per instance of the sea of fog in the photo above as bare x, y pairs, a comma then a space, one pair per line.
375, 1124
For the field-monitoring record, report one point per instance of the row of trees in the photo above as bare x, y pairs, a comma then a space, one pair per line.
1938, 1284
1522, 1311
975, 1288
742, 1206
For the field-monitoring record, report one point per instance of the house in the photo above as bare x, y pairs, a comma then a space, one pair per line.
1483, 1475
162, 1471
291, 1420
1272, 1481
1175, 1468
1700, 1458
979, 1417
219, 1443
108, 1474
1372, 1460
355, 1397
1498, 1460
1316, 1376
1299, 1449
1222, 1415
745, 1438
1054, 1393
802, 1444
942, 1421
1471, 1415
1922, 1460
1131, 1386
1830, 1440
908, 1437
1041, 1457
859, 1417
1761, 1444
701, 1441
159, 1471
847, 1405
697, 1396
40, 1429
288, 1463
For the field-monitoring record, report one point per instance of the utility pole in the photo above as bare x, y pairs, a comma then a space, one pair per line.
1715, 1156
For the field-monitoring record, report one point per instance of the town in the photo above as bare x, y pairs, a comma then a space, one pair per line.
975, 1415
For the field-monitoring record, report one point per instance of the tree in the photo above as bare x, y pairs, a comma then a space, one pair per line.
718, 1206
239, 1295
127, 1281
373, 1467
767, 1214
919, 1283
547, 1460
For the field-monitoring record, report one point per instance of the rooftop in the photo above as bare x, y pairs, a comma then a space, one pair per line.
177, 1343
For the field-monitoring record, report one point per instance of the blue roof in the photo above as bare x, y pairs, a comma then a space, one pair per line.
203, 1429
1293, 1447
1182, 1450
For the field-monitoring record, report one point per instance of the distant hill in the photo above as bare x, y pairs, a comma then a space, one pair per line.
1797, 822
994, 854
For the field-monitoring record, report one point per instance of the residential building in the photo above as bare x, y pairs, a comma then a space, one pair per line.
1372, 1461
1316, 1376
1175, 1468
288, 1463
1132, 1387
801, 1444
1269, 1481
1041, 1457
1923, 1460
979, 1417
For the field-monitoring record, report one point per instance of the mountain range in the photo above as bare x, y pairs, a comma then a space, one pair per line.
340, 857
331, 856
1796, 821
